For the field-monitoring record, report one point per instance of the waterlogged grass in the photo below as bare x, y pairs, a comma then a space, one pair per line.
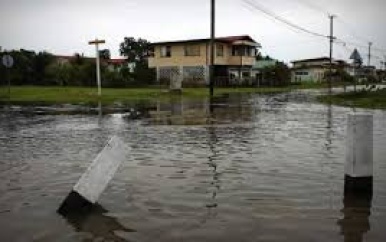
86, 95
363, 99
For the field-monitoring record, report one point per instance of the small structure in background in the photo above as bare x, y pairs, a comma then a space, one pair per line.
259, 71
187, 61
115, 64
311, 70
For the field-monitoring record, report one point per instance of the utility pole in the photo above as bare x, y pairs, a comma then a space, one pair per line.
212, 45
331, 52
369, 60
97, 42
384, 63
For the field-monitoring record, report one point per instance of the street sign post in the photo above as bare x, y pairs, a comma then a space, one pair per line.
97, 42
8, 62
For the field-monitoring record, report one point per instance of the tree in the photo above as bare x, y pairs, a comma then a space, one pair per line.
278, 74
135, 50
105, 54
41, 62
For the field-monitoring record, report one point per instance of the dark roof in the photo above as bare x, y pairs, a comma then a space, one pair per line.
116, 61
228, 39
312, 60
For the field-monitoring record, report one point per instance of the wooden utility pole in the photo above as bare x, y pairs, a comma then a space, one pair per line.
331, 52
212, 45
97, 42
369, 60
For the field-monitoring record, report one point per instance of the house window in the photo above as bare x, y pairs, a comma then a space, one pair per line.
166, 51
220, 50
237, 50
301, 73
192, 50
246, 74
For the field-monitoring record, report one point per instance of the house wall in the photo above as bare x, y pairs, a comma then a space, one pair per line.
178, 57
315, 74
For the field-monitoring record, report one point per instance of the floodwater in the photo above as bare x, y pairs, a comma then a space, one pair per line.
251, 168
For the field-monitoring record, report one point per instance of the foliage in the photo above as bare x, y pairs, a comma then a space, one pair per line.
29, 67
368, 98
136, 50
278, 75
143, 75
105, 54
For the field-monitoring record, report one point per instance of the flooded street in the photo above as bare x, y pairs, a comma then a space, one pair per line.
252, 168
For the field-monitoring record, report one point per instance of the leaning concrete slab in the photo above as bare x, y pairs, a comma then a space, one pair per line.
96, 178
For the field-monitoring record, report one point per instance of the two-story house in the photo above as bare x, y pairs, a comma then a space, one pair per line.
187, 61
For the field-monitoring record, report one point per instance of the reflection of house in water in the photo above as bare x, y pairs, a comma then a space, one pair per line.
178, 111
97, 224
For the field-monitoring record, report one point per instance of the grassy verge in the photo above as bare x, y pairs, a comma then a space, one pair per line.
84, 95
362, 99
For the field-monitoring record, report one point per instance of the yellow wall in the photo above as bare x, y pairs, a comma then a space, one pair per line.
178, 57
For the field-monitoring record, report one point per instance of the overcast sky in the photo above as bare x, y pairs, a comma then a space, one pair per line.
64, 27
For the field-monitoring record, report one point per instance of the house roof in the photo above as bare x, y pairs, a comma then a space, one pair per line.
312, 60
227, 39
116, 61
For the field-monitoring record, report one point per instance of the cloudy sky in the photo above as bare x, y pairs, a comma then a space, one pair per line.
64, 27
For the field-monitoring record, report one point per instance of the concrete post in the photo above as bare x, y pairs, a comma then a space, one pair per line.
94, 181
359, 154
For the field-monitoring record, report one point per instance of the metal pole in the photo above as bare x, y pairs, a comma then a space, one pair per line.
98, 70
331, 50
9, 84
212, 46
241, 63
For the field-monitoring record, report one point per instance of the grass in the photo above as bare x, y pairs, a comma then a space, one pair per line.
86, 95
363, 99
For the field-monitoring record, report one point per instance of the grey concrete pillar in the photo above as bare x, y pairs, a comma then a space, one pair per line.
96, 178
359, 154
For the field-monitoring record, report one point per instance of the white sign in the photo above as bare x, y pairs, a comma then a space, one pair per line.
101, 171
7, 61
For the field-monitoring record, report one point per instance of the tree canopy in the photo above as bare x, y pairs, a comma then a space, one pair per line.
105, 54
136, 50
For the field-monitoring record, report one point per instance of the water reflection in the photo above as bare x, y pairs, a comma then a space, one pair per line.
215, 183
94, 222
225, 109
355, 223
329, 128
100, 113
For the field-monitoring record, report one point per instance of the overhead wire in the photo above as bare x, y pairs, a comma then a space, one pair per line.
348, 27
255, 6
261, 8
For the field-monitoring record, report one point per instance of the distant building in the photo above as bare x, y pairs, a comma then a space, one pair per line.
112, 64
187, 61
118, 64
311, 70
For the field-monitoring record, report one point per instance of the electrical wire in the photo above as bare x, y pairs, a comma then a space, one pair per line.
254, 5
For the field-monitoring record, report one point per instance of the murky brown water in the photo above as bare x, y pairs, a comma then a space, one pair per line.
260, 168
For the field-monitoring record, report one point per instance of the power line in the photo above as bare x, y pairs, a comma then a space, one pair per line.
264, 10
348, 27
253, 6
